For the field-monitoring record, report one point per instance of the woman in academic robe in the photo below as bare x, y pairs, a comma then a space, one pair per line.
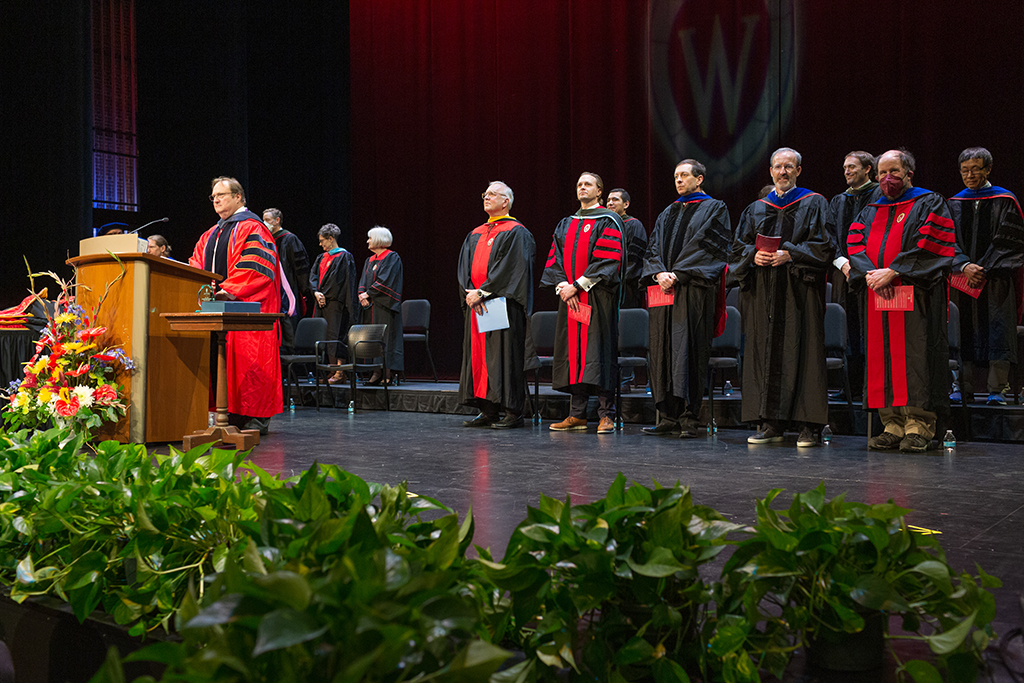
333, 280
380, 295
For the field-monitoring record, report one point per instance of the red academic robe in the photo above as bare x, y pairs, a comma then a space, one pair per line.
907, 351
587, 244
254, 365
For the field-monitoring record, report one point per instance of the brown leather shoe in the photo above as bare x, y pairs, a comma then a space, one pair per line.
606, 426
570, 424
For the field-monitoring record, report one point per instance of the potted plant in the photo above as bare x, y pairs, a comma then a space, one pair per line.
828, 571
609, 590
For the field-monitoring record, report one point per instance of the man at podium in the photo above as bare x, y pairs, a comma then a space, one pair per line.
241, 249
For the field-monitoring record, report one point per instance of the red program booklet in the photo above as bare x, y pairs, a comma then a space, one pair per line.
656, 296
768, 243
582, 316
959, 281
903, 301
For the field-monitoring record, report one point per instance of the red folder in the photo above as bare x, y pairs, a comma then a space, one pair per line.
959, 281
656, 296
903, 301
768, 243
582, 316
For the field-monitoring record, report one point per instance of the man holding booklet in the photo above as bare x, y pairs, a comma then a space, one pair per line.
986, 273
585, 268
496, 281
901, 248
780, 259
684, 273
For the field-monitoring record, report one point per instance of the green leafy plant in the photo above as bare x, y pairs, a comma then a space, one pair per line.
121, 530
610, 590
332, 587
822, 567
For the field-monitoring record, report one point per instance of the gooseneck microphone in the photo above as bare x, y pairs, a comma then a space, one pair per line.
165, 219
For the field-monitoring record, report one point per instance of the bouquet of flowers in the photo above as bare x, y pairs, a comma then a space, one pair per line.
70, 381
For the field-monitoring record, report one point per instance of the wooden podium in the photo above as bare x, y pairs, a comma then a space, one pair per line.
220, 324
169, 391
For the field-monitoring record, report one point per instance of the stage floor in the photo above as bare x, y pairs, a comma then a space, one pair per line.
974, 498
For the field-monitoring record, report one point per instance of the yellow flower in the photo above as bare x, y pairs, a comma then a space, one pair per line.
78, 347
45, 394
64, 318
40, 364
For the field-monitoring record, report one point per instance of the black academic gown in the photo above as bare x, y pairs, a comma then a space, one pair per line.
334, 276
907, 353
691, 238
636, 247
497, 257
990, 233
587, 244
382, 281
783, 309
843, 210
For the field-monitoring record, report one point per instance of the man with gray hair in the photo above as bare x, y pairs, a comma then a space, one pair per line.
295, 266
901, 248
989, 253
495, 271
780, 258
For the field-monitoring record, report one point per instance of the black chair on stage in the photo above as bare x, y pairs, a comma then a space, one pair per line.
732, 297
308, 332
416, 326
634, 341
365, 343
542, 327
835, 347
725, 354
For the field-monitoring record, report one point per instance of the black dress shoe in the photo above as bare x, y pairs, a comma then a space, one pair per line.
510, 421
480, 420
663, 428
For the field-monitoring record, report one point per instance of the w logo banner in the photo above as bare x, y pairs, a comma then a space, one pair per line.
723, 76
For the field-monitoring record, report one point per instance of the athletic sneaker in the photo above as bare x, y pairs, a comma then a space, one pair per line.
996, 400
766, 434
807, 438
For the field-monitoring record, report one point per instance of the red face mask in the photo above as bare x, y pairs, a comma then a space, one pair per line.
892, 187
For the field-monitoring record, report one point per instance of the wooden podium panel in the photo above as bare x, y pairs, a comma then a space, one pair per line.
169, 391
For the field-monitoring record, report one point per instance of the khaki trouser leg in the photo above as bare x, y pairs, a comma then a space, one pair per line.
905, 420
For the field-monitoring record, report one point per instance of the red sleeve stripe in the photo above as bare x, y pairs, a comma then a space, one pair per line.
941, 221
551, 256
936, 233
854, 238
610, 244
612, 232
935, 248
858, 249
613, 255
385, 291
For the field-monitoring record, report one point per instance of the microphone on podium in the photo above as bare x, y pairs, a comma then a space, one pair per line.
165, 219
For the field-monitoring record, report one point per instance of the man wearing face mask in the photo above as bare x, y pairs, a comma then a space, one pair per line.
990, 253
901, 249
780, 259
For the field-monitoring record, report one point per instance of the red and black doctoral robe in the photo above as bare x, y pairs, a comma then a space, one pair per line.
242, 249
496, 257
907, 361
382, 282
588, 244
989, 233
783, 308
334, 275
691, 239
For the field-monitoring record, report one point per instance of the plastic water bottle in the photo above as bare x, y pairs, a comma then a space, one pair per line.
291, 405
536, 418
826, 435
712, 427
728, 388
351, 406
949, 441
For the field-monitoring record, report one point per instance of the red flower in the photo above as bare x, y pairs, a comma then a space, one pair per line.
104, 393
91, 333
31, 381
69, 407
82, 369
103, 357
